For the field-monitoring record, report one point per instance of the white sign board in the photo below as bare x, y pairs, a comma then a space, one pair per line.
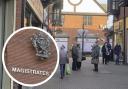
62, 41
88, 42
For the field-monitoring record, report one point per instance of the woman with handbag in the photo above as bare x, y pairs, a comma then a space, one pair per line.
79, 59
95, 56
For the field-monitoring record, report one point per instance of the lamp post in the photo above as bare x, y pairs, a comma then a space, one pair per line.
124, 53
83, 32
83, 41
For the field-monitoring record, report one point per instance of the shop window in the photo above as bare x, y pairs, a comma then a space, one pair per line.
62, 19
88, 20
35, 21
27, 21
30, 18
115, 5
56, 18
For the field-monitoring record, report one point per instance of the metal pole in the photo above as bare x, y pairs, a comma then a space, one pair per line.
83, 37
48, 20
124, 61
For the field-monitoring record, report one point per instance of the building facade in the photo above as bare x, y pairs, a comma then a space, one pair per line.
72, 24
79, 16
119, 9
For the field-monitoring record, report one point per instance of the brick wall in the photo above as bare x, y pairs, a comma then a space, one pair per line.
72, 21
21, 53
18, 13
73, 33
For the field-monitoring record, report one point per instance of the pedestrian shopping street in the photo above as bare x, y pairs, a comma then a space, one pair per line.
98, 28
110, 76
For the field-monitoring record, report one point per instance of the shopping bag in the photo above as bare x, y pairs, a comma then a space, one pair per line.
67, 69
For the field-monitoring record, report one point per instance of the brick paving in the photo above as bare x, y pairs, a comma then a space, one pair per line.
110, 76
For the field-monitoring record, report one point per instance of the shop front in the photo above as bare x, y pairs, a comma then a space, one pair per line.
119, 34
33, 13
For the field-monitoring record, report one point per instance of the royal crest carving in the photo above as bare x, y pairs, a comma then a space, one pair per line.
41, 43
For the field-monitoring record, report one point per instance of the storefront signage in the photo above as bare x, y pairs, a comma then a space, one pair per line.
121, 25
116, 26
88, 43
61, 39
127, 23
29, 71
37, 7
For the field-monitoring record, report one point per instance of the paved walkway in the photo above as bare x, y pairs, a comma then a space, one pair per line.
110, 76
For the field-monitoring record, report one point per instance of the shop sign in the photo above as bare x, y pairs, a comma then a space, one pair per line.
37, 7
121, 25
127, 23
116, 26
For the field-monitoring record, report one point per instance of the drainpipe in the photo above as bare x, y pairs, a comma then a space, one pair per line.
48, 18
23, 12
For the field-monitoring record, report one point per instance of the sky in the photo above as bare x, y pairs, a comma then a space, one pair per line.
102, 1
86, 6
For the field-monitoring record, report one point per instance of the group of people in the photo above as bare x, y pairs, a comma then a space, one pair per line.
64, 59
108, 52
76, 51
77, 57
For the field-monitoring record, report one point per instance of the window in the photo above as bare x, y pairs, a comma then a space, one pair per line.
88, 20
62, 19
115, 4
30, 18
56, 18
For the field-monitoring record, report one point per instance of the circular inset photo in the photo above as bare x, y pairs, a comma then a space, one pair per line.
30, 56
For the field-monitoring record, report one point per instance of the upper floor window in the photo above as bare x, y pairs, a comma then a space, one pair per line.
115, 5
88, 20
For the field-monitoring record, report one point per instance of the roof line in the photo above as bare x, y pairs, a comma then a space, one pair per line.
81, 14
100, 5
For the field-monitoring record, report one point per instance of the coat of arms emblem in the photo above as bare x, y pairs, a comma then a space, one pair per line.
41, 43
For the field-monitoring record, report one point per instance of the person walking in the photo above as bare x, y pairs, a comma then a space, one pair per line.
95, 56
103, 50
107, 52
117, 51
74, 56
63, 61
79, 59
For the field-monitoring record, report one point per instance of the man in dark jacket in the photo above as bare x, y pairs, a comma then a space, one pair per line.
117, 51
74, 56
103, 54
107, 52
